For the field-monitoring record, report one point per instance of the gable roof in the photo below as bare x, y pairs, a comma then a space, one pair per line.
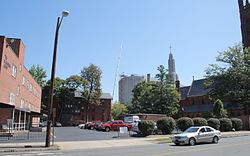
196, 89
184, 92
78, 94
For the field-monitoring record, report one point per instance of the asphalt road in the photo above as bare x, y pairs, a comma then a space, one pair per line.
63, 134
226, 147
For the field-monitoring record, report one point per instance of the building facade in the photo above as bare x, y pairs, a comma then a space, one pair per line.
195, 102
20, 95
75, 113
126, 85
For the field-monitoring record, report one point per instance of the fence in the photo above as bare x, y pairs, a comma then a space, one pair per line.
22, 132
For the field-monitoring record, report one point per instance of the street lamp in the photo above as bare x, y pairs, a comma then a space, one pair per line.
50, 104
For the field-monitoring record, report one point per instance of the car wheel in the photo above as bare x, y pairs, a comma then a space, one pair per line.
192, 141
107, 129
215, 140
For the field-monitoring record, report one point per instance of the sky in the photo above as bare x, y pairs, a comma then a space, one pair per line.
95, 29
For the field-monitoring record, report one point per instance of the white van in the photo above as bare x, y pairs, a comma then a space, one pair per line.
131, 119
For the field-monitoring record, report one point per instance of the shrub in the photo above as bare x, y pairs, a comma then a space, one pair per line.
237, 124
166, 125
199, 122
213, 122
146, 127
184, 123
225, 124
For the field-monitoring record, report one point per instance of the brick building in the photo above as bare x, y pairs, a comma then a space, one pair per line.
75, 113
20, 95
195, 102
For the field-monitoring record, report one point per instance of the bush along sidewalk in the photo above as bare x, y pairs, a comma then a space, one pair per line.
146, 127
166, 125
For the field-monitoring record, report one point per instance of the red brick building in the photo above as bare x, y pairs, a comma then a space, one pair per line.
75, 113
195, 102
20, 95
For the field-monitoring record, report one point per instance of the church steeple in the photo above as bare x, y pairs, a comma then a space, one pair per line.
171, 65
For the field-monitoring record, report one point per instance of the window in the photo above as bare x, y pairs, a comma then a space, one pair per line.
14, 69
18, 90
209, 129
202, 130
22, 103
12, 98
24, 79
20, 68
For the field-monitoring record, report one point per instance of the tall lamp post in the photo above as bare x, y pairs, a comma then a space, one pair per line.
53, 69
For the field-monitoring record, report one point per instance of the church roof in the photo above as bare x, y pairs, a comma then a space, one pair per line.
196, 89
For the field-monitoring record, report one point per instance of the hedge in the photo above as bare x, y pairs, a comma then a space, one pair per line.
166, 125
237, 124
200, 122
184, 123
214, 122
146, 127
225, 124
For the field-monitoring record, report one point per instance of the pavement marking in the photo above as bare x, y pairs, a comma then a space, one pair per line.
203, 149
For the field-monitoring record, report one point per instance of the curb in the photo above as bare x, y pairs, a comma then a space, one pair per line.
28, 148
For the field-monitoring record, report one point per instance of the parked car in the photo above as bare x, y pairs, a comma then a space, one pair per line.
114, 125
58, 124
81, 126
197, 134
101, 126
88, 125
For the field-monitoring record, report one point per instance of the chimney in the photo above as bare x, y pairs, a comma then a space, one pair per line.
148, 77
177, 85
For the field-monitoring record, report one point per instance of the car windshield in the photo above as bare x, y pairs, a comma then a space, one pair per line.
191, 130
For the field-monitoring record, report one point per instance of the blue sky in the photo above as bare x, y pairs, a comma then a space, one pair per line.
93, 32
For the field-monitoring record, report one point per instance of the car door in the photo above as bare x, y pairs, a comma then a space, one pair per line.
209, 134
114, 125
201, 135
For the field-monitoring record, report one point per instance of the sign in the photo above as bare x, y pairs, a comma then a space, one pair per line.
123, 129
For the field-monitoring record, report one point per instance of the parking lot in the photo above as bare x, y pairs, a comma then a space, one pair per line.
77, 134
63, 134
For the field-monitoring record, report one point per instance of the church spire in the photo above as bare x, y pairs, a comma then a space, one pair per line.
171, 65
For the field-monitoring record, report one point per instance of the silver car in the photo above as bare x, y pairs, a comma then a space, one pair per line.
197, 134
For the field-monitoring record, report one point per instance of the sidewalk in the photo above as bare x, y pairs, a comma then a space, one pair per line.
21, 147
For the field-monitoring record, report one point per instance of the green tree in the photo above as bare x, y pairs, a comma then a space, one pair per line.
166, 96
119, 109
75, 82
39, 74
45, 92
228, 78
218, 110
92, 86
156, 97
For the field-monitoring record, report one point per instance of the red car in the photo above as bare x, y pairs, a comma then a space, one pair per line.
114, 125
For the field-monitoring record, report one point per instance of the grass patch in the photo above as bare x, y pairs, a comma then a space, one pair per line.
163, 140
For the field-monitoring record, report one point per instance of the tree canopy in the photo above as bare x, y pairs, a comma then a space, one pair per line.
118, 109
228, 78
160, 97
39, 74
